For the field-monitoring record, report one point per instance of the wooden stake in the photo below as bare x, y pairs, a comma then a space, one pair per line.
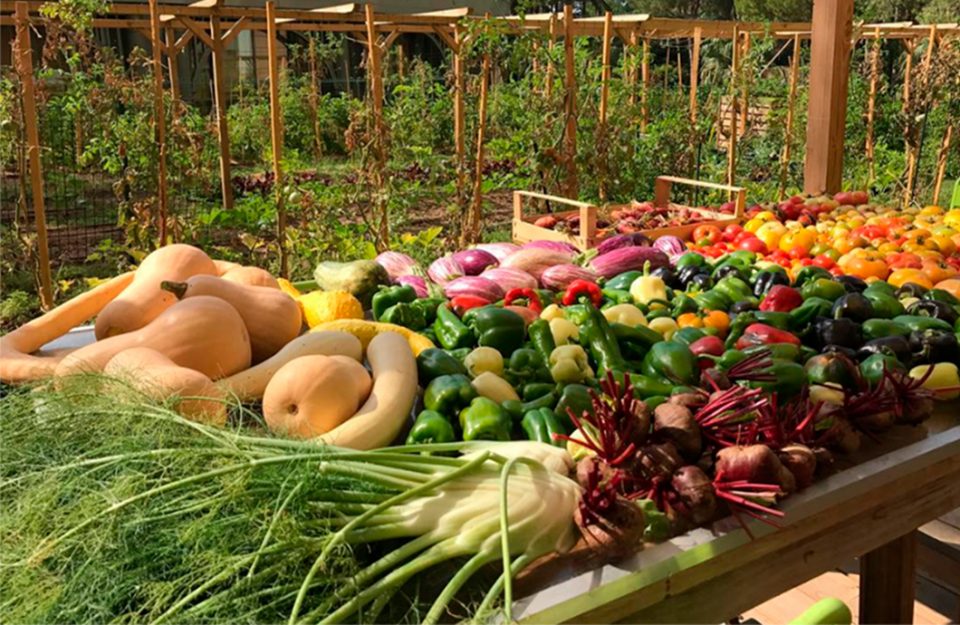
633, 68
791, 105
25, 69
472, 232
695, 73
872, 102
550, 45
570, 134
734, 103
172, 72
276, 134
315, 98
832, 27
645, 78
911, 145
459, 117
910, 46
745, 85
159, 122
942, 164
220, 108
604, 97
680, 71
375, 79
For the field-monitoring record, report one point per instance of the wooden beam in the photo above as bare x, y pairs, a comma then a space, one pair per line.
452, 13
942, 163
459, 120
172, 73
220, 110
695, 73
237, 27
198, 30
276, 135
386, 42
826, 114
645, 79
912, 146
745, 85
604, 97
447, 38
734, 104
872, 104
471, 233
159, 123
551, 41
183, 40
375, 80
791, 106
910, 46
24, 62
570, 108
887, 581
315, 98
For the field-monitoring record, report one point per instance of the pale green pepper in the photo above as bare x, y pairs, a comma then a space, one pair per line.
648, 290
944, 376
569, 365
483, 359
563, 330
627, 314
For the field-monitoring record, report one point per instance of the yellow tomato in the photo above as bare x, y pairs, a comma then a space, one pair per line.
888, 248
770, 233
952, 218
931, 210
901, 276
942, 244
804, 239
753, 224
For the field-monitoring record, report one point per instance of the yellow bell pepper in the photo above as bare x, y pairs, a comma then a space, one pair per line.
665, 326
627, 314
945, 375
552, 312
563, 330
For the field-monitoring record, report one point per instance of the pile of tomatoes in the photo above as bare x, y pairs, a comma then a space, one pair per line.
846, 234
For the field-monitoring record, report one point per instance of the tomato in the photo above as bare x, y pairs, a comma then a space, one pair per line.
752, 244
903, 260
901, 276
731, 232
823, 261
938, 271
708, 234
798, 253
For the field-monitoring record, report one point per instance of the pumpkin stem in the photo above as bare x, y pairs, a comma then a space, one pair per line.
177, 288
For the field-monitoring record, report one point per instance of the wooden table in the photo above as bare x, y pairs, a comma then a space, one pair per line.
871, 509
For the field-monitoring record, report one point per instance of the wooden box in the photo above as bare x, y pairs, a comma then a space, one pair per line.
524, 229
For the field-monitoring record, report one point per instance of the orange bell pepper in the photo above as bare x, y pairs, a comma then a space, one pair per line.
901, 276
717, 319
689, 320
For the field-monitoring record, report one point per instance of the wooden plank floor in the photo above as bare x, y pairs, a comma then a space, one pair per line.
934, 606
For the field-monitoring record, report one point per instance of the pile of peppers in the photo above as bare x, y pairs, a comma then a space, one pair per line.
517, 368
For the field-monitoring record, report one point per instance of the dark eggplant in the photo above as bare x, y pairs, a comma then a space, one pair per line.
852, 284
727, 270
933, 346
743, 306
687, 272
844, 332
853, 306
896, 346
934, 308
700, 282
911, 289
839, 349
765, 280
668, 275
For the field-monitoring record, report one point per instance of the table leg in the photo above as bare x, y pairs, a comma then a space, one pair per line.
887, 582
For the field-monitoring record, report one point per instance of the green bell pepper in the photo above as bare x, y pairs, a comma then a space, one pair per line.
450, 331
879, 328
872, 368
884, 306
535, 390
389, 296
733, 288
777, 319
501, 329
688, 336
541, 337
780, 351
645, 386
654, 400
917, 323
429, 306
622, 282
682, 303
824, 288
831, 368
672, 360
516, 409
690, 259
713, 299
811, 272
617, 296
804, 314
448, 393
434, 362
484, 419
940, 295
731, 357
738, 326
431, 427
790, 379
641, 336
574, 398
541, 425
881, 286
596, 334
406, 315
526, 365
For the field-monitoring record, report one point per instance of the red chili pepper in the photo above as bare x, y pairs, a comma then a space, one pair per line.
532, 297
762, 334
579, 288
781, 298
462, 303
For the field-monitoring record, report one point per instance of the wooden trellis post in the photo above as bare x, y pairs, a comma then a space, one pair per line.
872, 101
570, 86
734, 103
633, 70
172, 64
459, 118
472, 231
791, 105
910, 46
220, 106
604, 97
276, 135
550, 45
745, 84
375, 80
911, 148
159, 122
680, 71
29, 99
315, 98
832, 27
695, 73
942, 163
645, 78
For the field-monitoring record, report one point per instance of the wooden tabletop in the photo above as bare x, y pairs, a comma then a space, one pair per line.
708, 576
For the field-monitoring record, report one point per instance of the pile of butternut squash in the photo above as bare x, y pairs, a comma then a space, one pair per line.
195, 331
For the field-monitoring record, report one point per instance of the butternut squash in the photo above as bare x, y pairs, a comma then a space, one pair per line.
223, 266
142, 301
311, 395
16, 363
251, 276
203, 333
367, 330
272, 318
359, 373
156, 376
381, 418
248, 385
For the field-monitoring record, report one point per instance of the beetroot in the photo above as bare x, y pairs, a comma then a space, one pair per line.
676, 423
801, 462
696, 500
658, 460
755, 464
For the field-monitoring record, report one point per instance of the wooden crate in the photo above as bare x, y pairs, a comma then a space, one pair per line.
524, 230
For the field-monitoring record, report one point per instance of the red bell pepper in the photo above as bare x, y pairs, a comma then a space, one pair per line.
781, 298
580, 288
709, 345
762, 334
532, 297
462, 303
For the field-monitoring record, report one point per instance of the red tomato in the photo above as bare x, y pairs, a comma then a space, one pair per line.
835, 270
752, 244
708, 234
806, 262
731, 232
823, 261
